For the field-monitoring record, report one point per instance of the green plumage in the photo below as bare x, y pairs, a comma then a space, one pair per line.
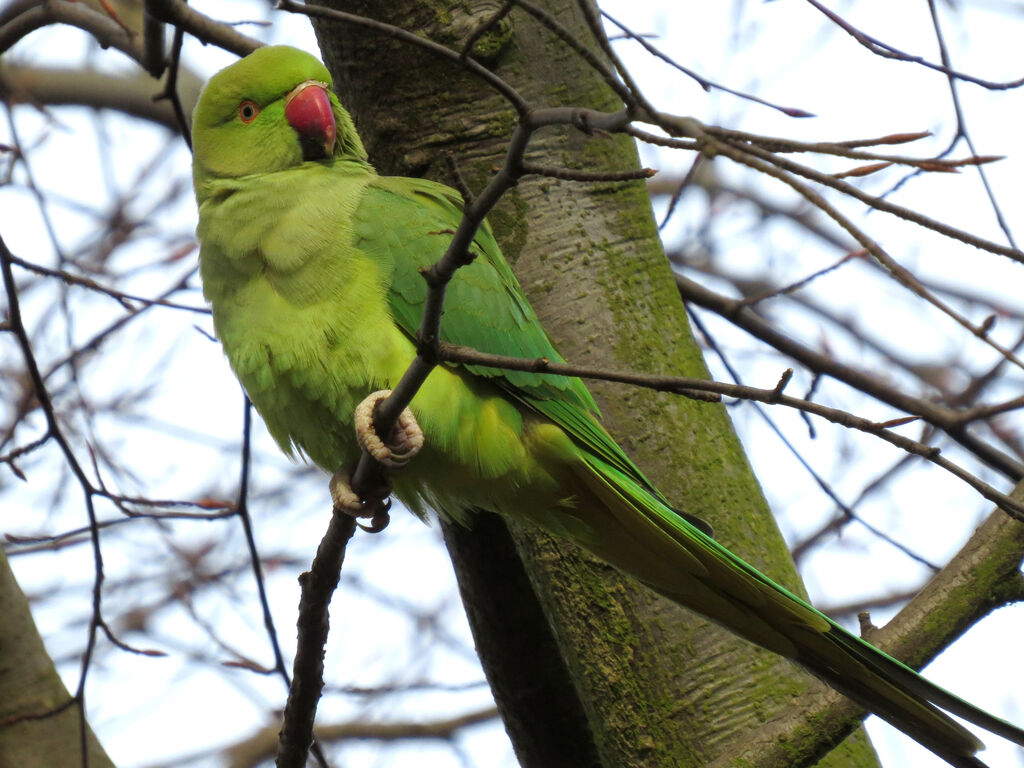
311, 262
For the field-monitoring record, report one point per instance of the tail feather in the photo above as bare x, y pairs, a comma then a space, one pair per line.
879, 683
636, 532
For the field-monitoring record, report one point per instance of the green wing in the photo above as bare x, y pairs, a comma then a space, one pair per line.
484, 305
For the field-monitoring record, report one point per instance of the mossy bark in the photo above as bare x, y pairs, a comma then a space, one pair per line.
654, 684
34, 731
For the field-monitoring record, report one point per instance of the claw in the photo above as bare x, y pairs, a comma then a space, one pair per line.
380, 519
403, 443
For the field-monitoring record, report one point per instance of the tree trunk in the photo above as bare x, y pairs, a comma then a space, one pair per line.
654, 685
30, 689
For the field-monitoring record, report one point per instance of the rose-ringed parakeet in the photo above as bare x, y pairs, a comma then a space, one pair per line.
311, 261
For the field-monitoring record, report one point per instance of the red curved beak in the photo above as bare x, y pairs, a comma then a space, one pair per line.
307, 108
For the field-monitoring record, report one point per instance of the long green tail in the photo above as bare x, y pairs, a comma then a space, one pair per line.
641, 535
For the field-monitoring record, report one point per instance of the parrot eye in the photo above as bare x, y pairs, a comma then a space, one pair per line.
247, 111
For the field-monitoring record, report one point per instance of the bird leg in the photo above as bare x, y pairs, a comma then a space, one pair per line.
404, 441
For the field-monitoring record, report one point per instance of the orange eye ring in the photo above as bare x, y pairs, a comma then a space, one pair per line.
248, 110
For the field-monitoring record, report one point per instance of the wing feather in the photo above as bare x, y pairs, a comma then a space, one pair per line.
485, 307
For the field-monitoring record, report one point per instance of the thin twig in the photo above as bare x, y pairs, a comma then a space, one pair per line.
944, 418
320, 12
54, 431
685, 385
885, 50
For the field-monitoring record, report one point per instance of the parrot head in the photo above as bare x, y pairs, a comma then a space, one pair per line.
270, 111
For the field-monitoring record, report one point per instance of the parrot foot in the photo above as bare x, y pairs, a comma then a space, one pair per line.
403, 443
375, 505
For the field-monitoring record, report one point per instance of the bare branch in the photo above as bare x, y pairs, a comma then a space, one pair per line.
106, 30
209, 30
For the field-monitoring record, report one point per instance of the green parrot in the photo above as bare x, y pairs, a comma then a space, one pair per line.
311, 261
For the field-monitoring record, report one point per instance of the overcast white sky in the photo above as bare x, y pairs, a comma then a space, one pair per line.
781, 51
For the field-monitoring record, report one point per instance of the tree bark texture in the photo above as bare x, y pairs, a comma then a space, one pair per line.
658, 685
